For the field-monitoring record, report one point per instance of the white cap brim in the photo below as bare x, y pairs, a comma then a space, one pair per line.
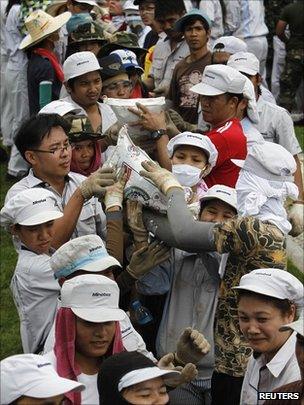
238, 162
264, 290
206, 90
144, 374
57, 23
41, 218
52, 387
99, 314
187, 142
247, 70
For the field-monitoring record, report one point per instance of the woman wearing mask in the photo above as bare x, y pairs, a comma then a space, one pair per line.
43, 63
267, 300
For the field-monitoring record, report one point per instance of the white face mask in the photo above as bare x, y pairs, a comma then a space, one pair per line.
187, 175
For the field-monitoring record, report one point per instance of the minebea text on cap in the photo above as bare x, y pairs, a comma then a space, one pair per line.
79, 64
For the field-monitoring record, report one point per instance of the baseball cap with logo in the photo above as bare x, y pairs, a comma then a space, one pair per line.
273, 283
223, 193
244, 62
33, 376
197, 140
87, 252
128, 59
270, 161
229, 44
194, 12
111, 66
79, 64
220, 79
33, 206
93, 298
59, 107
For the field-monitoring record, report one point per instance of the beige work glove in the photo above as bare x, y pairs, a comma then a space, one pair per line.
162, 178
295, 217
146, 258
179, 122
135, 222
114, 194
95, 185
191, 347
111, 134
187, 373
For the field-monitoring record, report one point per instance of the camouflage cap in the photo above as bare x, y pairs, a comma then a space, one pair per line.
122, 40
81, 129
87, 32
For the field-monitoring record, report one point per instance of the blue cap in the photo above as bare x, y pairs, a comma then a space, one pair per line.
78, 19
195, 12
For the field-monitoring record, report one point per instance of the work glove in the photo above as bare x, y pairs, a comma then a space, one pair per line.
295, 217
114, 194
162, 178
135, 222
178, 121
111, 134
187, 373
191, 347
146, 258
96, 183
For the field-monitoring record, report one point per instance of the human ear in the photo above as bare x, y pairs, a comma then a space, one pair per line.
30, 157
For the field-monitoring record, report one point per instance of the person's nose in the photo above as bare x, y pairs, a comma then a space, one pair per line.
44, 233
252, 328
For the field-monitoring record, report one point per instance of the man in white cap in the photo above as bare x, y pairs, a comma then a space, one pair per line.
30, 379
226, 46
30, 216
191, 282
44, 142
82, 79
275, 124
221, 91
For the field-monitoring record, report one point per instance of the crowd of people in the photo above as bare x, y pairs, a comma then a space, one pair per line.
156, 175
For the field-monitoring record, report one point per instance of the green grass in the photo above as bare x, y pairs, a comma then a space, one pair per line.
9, 322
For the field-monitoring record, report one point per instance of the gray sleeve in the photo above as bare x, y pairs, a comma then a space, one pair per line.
179, 229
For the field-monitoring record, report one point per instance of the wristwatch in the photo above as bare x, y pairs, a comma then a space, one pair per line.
157, 134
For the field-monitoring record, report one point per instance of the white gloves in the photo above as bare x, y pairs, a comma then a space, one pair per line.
295, 217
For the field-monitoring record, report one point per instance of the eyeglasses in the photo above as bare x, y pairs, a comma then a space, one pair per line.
57, 151
124, 84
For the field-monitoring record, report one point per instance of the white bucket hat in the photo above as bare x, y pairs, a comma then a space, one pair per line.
40, 25
79, 64
200, 141
59, 107
273, 283
270, 161
84, 253
33, 206
223, 193
93, 298
33, 376
220, 79
229, 44
244, 62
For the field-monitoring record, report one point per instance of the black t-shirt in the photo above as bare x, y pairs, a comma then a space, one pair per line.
151, 39
38, 70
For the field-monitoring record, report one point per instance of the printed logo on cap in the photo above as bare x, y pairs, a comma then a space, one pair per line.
223, 192
39, 201
43, 365
210, 77
99, 294
82, 63
95, 248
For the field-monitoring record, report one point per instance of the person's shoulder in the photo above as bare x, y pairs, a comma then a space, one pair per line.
231, 126
17, 187
274, 110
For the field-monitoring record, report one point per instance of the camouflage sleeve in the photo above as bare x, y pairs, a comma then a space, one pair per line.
247, 236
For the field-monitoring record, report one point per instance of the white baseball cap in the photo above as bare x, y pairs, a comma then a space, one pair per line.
270, 161
33, 376
33, 206
90, 2
223, 193
220, 79
93, 298
59, 107
129, 5
244, 62
252, 109
84, 253
200, 141
128, 59
297, 326
273, 283
229, 44
79, 64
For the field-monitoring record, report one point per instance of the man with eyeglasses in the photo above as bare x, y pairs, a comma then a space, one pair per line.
43, 142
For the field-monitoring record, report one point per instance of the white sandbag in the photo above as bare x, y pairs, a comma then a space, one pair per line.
128, 156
